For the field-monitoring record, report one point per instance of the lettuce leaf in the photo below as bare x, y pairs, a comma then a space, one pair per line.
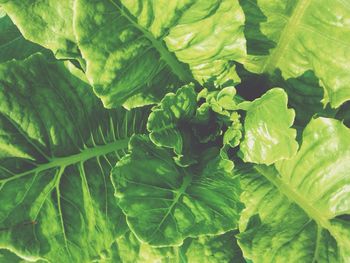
150, 48
216, 249
267, 133
298, 36
48, 23
165, 203
12, 43
299, 211
57, 147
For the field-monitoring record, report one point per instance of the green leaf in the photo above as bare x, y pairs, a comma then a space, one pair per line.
305, 96
222, 101
267, 133
165, 120
48, 23
178, 123
131, 250
233, 134
207, 249
136, 49
57, 144
12, 43
344, 114
297, 36
303, 205
7, 256
213, 249
2, 12
165, 203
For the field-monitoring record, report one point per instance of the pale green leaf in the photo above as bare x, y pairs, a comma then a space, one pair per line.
133, 48
222, 101
304, 96
267, 133
131, 250
2, 12
303, 205
297, 36
234, 132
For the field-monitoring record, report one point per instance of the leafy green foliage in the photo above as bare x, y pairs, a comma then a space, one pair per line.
55, 160
164, 123
158, 43
302, 203
48, 23
298, 36
222, 168
12, 43
164, 203
268, 136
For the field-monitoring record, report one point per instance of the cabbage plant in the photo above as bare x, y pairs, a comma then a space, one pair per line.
175, 131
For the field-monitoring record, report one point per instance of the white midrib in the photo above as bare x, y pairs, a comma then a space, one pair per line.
287, 34
294, 196
83, 156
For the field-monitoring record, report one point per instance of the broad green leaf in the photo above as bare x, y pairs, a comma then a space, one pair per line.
48, 23
165, 203
298, 36
207, 249
57, 146
303, 205
12, 43
131, 250
267, 133
304, 96
344, 114
2, 12
213, 249
165, 121
136, 49
7, 256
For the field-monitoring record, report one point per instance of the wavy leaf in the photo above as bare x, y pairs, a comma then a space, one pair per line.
164, 123
267, 133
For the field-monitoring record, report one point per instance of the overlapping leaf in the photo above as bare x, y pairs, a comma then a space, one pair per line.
298, 36
132, 47
303, 205
267, 133
166, 119
208, 249
57, 146
12, 43
165, 203
48, 23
